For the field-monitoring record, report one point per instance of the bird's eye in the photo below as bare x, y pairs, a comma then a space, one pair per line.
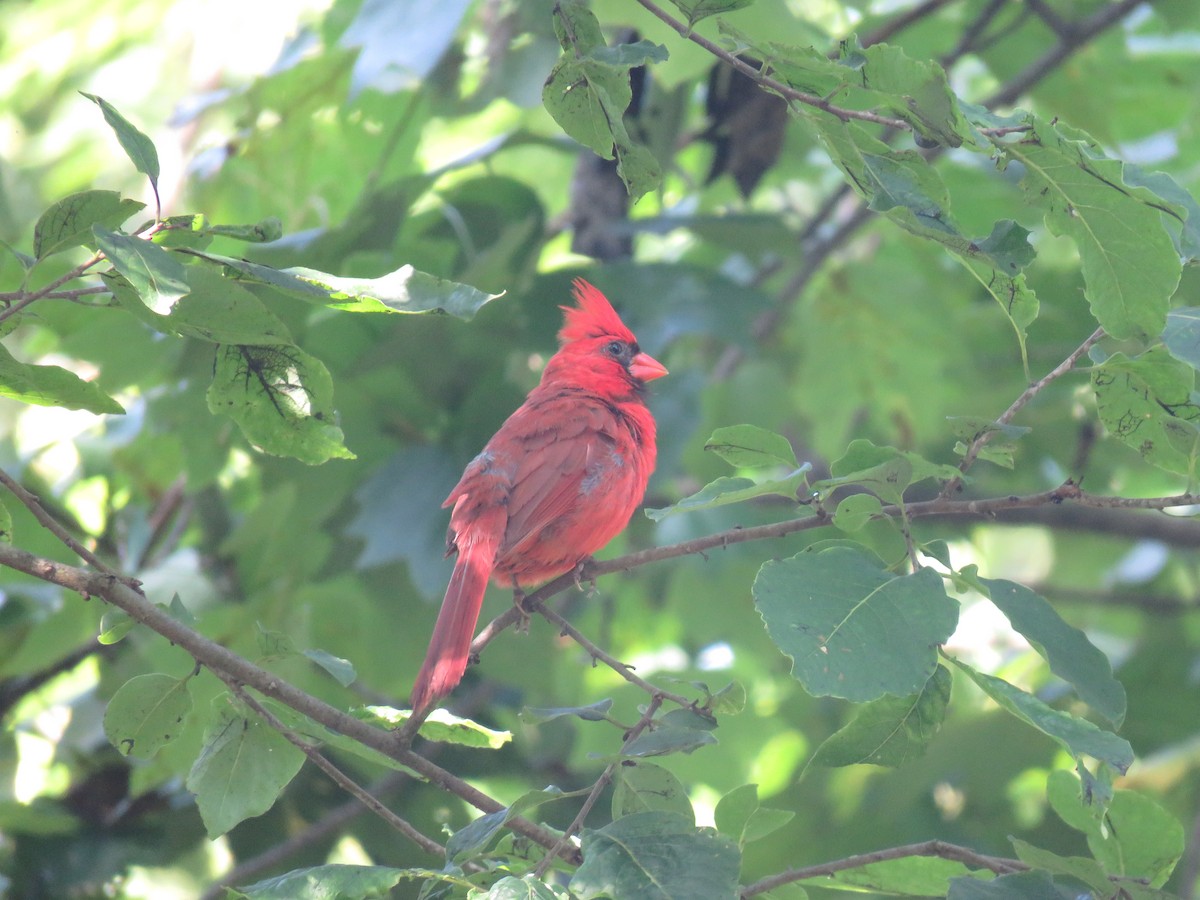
615, 348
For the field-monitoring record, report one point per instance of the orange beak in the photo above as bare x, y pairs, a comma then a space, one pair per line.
645, 367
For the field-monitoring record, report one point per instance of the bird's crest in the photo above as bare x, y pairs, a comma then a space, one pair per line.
593, 317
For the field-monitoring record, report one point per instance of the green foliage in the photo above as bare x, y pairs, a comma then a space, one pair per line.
223, 409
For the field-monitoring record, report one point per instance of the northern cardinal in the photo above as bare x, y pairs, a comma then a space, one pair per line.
556, 483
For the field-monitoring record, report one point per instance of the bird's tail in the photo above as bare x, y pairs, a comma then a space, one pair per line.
446, 658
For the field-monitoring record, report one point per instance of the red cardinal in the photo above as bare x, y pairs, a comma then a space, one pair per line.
559, 479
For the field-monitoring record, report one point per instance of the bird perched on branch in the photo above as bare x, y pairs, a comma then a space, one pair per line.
556, 483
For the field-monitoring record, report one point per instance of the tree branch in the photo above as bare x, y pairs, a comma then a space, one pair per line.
939, 849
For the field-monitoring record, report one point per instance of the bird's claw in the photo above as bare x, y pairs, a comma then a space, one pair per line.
583, 575
522, 626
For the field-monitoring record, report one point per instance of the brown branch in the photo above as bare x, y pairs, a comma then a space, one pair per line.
939, 849
51, 524
50, 288
216, 657
73, 294
778, 87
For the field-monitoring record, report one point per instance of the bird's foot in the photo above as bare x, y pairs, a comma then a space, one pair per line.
522, 626
584, 575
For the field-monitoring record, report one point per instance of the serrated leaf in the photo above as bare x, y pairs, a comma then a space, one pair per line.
68, 222
1130, 265
147, 713
640, 786
593, 712
137, 146
282, 399
1078, 736
890, 731
51, 386
656, 856
1146, 402
1070, 654
751, 447
588, 91
244, 766
342, 670
852, 629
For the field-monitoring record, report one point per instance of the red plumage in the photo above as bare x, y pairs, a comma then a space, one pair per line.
556, 483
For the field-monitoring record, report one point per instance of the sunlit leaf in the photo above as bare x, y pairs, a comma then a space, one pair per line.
146, 713
68, 222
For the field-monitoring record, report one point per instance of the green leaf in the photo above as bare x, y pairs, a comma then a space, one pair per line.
588, 91
403, 291
739, 816
890, 731
478, 834
726, 490
751, 447
1072, 657
342, 670
883, 470
1021, 886
855, 511
666, 740
282, 399
656, 856
1130, 265
269, 229
114, 625
1078, 736
243, 767
1146, 402
695, 10
1182, 335
138, 147
68, 222
911, 876
147, 713
593, 712
852, 629
916, 91
157, 276
439, 726
51, 386
640, 786
528, 887
340, 881
1080, 868
1132, 837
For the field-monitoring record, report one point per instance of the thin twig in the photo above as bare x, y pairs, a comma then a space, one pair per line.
73, 294
612, 662
50, 288
601, 783
47, 521
788, 93
939, 849
981, 439
336, 775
